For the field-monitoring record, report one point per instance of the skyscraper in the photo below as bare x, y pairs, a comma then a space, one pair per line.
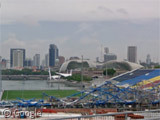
28, 62
61, 60
132, 54
46, 60
17, 57
36, 60
148, 59
106, 50
109, 56
53, 55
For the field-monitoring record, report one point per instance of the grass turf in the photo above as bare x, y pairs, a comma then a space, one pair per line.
37, 94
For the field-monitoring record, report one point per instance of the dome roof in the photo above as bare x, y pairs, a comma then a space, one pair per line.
123, 65
76, 64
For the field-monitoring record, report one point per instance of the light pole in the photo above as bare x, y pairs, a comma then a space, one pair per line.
82, 74
106, 70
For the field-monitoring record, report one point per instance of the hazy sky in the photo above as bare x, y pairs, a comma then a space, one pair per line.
81, 27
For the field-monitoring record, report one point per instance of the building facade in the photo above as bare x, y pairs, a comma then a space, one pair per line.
17, 58
61, 60
28, 62
132, 54
53, 55
46, 61
36, 60
109, 56
148, 60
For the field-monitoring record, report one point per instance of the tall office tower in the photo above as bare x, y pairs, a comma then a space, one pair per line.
132, 54
17, 57
3, 63
106, 50
28, 62
109, 56
61, 60
46, 60
36, 60
53, 55
148, 59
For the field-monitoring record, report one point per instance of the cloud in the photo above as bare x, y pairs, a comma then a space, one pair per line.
84, 27
32, 47
13, 42
29, 20
32, 12
122, 11
105, 9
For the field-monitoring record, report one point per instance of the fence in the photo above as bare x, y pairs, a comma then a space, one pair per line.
133, 115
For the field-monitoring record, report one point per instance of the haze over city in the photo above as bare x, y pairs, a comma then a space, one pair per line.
81, 27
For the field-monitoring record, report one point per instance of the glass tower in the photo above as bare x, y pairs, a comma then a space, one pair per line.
53, 55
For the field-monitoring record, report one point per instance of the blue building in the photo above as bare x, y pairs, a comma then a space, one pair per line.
53, 55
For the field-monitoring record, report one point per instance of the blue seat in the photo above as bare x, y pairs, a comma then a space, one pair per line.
137, 76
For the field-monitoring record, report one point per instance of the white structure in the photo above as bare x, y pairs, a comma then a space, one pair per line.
122, 65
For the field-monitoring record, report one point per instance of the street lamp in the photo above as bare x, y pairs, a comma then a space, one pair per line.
82, 74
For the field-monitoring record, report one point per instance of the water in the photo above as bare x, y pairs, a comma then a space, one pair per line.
33, 85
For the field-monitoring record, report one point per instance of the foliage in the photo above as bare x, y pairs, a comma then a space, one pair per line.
110, 72
77, 77
158, 66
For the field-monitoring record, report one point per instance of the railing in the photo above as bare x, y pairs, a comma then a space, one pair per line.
133, 115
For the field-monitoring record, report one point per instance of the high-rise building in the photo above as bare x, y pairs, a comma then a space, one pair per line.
28, 62
106, 50
109, 56
148, 59
3, 63
46, 61
17, 57
132, 54
61, 60
53, 55
36, 60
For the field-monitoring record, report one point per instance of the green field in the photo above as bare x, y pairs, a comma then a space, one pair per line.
37, 94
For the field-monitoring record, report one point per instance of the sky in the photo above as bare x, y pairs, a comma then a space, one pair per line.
81, 27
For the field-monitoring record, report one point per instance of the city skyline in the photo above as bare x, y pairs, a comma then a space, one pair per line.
78, 31
101, 57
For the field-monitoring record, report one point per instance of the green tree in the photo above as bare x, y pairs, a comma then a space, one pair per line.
110, 72
77, 77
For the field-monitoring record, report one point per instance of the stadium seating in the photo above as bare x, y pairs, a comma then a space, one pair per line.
137, 76
132, 75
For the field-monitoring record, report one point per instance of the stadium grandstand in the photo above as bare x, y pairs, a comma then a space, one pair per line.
142, 78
